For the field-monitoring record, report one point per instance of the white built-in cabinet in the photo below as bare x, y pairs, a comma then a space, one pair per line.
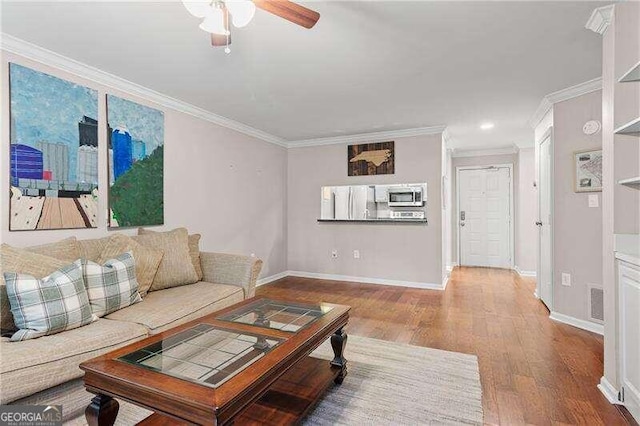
625, 150
629, 327
621, 199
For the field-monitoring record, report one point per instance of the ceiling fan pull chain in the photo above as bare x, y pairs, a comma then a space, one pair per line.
227, 49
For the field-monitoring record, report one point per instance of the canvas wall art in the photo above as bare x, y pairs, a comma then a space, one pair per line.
588, 170
371, 159
136, 164
53, 165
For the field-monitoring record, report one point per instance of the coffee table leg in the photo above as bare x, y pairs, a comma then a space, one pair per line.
338, 342
102, 411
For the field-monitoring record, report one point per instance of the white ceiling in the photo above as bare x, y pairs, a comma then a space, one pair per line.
365, 67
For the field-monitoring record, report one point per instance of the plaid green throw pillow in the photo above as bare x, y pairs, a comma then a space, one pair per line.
49, 305
111, 286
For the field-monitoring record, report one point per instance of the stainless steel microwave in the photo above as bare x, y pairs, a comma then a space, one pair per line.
406, 196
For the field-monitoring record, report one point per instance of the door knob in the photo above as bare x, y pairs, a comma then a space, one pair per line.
539, 223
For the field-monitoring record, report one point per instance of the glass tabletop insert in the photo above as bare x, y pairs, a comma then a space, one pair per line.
278, 315
203, 354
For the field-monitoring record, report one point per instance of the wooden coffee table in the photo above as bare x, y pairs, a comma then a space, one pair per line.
246, 364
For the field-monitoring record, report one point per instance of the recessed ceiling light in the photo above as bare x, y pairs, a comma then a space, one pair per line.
487, 126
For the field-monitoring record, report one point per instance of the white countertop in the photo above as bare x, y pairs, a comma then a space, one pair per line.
627, 248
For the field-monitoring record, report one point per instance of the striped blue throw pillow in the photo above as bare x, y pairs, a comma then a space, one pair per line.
55, 303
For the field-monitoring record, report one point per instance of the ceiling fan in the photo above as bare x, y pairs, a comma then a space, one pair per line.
217, 14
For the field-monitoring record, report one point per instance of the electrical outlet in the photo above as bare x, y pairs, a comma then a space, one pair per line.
356, 254
566, 279
334, 254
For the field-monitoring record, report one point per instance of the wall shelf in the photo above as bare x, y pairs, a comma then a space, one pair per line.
632, 75
630, 181
386, 220
631, 128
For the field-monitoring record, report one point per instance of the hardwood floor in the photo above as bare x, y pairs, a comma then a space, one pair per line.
533, 370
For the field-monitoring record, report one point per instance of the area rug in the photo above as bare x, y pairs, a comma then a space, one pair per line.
387, 383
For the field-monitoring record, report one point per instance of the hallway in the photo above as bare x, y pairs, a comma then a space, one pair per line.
533, 370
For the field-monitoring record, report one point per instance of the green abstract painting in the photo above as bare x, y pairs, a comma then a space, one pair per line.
136, 164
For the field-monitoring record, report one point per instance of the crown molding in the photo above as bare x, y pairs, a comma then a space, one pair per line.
481, 152
563, 95
368, 137
36, 53
600, 19
447, 139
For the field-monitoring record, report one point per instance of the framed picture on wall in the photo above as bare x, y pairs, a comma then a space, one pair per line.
371, 159
587, 170
53, 152
136, 164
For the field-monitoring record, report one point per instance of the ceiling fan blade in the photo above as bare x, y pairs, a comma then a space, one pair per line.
290, 11
219, 40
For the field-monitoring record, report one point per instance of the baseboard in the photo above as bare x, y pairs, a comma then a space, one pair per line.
271, 278
608, 390
445, 280
535, 294
451, 267
575, 322
522, 273
367, 280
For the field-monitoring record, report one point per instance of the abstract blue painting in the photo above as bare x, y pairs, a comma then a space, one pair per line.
136, 163
53, 152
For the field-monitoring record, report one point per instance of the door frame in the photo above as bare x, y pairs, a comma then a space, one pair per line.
548, 134
511, 208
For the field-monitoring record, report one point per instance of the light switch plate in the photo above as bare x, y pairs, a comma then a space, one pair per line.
594, 200
566, 279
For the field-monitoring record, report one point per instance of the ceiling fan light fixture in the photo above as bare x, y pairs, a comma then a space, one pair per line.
214, 21
198, 8
242, 12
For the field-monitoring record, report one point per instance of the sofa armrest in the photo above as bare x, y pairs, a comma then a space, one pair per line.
231, 269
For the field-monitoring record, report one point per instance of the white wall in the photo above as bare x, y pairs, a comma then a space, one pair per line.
401, 252
449, 211
227, 186
527, 213
577, 228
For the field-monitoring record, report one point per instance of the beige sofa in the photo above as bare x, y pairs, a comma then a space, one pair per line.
45, 370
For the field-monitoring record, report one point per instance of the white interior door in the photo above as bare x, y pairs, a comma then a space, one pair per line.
544, 223
629, 288
485, 217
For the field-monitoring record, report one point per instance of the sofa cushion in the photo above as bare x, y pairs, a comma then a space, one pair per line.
24, 262
91, 249
147, 259
194, 252
161, 310
33, 365
194, 249
66, 250
175, 268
